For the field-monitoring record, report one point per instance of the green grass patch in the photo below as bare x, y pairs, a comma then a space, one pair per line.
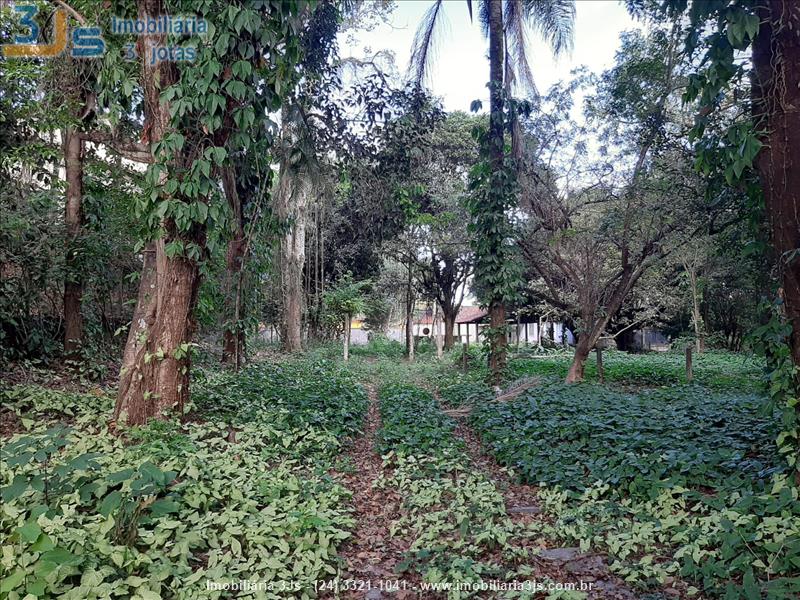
714, 369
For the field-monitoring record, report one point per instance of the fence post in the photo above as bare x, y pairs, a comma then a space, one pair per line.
600, 374
689, 374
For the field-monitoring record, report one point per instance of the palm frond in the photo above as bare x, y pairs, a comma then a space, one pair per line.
554, 20
483, 16
425, 42
517, 45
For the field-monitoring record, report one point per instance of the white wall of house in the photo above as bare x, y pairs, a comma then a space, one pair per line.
526, 332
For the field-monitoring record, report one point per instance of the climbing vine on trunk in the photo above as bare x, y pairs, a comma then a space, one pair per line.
760, 152
197, 115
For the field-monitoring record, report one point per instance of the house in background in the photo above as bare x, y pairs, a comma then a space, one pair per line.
471, 322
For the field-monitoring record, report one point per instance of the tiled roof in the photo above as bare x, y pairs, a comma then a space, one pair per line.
470, 314
467, 314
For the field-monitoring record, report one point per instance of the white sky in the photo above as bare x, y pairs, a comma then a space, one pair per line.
460, 70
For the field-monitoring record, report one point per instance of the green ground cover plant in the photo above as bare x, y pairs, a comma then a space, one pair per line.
680, 481
573, 435
240, 492
715, 369
455, 515
382, 346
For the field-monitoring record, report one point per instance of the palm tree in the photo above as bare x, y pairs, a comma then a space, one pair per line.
553, 20
505, 23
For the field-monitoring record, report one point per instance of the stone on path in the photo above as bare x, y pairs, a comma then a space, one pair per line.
560, 554
587, 565
525, 510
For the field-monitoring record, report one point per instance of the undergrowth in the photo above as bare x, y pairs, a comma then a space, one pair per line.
454, 514
240, 492
714, 369
673, 482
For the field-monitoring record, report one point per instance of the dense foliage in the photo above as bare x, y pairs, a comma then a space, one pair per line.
677, 480
713, 369
575, 435
270, 195
159, 510
454, 514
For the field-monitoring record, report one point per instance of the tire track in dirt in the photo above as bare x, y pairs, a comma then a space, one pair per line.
552, 562
371, 554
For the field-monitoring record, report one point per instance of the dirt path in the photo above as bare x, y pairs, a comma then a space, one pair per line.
370, 557
556, 563
521, 500
371, 554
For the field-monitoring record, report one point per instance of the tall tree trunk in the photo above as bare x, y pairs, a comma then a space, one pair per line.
158, 380
596, 325
233, 336
539, 332
73, 219
346, 338
697, 317
776, 96
141, 321
449, 328
410, 310
497, 310
294, 192
437, 331
582, 350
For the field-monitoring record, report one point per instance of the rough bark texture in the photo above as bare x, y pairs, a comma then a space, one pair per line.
776, 95
157, 381
141, 321
497, 310
449, 327
582, 350
73, 219
294, 192
165, 385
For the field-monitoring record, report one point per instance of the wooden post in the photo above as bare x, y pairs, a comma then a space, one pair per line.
437, 330
600, 373
689, 374
346, 338
465, 352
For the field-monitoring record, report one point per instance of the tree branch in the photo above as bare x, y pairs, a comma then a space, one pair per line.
135, 151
